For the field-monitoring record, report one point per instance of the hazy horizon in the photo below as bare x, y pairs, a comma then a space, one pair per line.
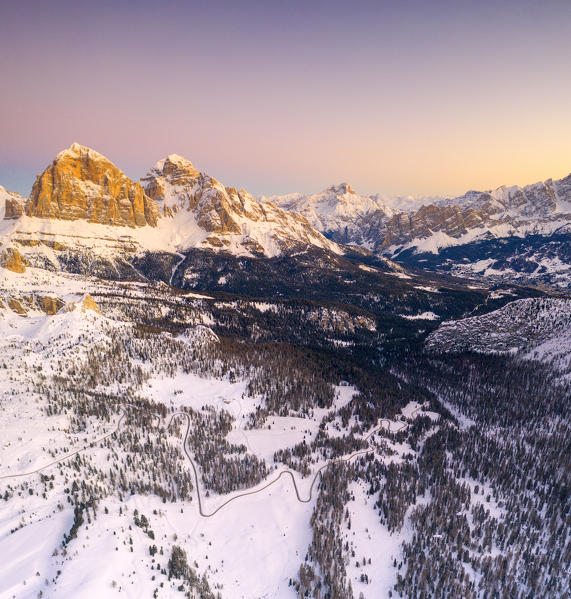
26, 188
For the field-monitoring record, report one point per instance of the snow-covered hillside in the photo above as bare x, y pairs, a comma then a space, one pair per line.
535, 328
93, 463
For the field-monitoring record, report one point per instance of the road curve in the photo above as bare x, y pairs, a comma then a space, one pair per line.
202, 512
285, 473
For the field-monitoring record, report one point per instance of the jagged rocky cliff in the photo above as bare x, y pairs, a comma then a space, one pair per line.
82, 184
216, 216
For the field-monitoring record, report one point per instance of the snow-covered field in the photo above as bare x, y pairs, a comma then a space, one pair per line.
372, 541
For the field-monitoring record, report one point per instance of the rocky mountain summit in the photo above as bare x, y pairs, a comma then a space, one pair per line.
11, 204
338, 211
82, 184
224, 217
85, 215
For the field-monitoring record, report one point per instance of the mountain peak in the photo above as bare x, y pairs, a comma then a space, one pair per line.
174, 164
178, 159
341, 189
215, 216
77, 147
83, 184
77, 150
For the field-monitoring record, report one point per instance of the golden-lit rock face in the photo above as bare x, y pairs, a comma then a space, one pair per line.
13, 202
23, 304
14, 208
16, 306
11, 259
176, 178
228, 216
89, 303
50, 305
82, 184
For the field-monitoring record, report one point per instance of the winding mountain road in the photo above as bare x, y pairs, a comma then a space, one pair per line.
202, 512
69, 455
281, 474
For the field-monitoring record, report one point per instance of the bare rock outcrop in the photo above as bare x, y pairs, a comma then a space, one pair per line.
11, 259
82, 184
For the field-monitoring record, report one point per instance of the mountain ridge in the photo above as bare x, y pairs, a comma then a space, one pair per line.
330, 212
421, 235
176, 208
85, 215
233, 219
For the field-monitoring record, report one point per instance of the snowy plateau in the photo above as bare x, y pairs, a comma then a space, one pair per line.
205, 394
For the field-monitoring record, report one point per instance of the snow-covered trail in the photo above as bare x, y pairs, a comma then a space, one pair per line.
175, 267
69, 455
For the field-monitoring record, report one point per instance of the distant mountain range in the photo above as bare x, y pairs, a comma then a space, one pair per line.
84, 203
477, 234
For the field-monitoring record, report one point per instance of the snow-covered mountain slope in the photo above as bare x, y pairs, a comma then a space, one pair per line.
345, 215
205, 213
538, 260
413, 230
538, 328
84, 215
199, 438
338, 211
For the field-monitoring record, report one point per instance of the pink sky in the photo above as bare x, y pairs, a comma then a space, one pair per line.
421, 98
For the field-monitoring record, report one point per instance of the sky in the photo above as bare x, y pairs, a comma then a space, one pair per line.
403, 98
